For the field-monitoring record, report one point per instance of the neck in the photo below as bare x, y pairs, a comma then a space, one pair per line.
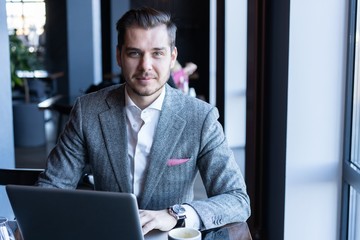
142, 101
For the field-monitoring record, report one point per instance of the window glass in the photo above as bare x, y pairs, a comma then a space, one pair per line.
354, 215
26, 18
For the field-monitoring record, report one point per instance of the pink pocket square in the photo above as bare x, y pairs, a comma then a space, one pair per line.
177, 161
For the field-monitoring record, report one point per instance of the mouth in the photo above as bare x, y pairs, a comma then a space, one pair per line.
144, 78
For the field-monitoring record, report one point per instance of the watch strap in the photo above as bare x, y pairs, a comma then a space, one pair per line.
179, 216
180, 223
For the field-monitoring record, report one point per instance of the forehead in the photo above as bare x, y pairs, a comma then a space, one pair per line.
156, 37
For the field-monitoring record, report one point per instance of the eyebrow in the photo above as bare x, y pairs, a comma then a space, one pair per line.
132, 49
159, 49
138, 49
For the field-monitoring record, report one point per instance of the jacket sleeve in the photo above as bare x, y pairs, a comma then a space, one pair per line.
228, 200
66, 162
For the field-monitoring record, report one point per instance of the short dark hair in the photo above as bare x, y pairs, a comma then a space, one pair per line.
145, 17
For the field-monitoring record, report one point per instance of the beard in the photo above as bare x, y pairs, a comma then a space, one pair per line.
144, 91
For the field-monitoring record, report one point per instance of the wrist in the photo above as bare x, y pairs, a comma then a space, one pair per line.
178, 212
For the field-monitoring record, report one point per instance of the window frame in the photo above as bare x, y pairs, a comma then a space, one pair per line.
351, 175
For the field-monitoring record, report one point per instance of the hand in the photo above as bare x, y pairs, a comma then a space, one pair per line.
190, 68
18, 235
160, 220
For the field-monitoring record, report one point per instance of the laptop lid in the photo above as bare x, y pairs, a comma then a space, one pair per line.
49, 213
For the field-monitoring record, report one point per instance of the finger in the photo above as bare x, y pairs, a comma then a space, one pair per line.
145, 218
161, 220
148, 227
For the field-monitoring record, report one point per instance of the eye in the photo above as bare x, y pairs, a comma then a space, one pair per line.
134, 54
158, 54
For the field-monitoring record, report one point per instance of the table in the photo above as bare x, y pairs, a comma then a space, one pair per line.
59, 103
39, 83
234, 231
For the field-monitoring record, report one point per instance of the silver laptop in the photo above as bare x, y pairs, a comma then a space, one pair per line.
58, 214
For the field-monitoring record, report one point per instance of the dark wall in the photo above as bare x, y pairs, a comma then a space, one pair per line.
266, 115
192, 20
56, 42
106, 29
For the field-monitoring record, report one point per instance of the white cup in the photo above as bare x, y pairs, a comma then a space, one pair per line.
184, 233
5, 230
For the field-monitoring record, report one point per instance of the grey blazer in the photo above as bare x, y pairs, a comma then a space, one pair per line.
188, 140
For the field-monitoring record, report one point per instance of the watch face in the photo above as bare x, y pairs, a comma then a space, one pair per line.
178, 209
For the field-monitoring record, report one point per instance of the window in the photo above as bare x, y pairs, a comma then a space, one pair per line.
350, 227
26, 18
354, 215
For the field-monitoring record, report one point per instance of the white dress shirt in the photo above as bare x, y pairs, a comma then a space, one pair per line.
141, 125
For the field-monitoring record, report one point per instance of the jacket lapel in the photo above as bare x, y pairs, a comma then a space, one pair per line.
113, 125
168, 132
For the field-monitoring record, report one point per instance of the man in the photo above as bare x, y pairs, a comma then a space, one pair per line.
149, 139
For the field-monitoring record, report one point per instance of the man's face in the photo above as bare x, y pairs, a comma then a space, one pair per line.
146, 60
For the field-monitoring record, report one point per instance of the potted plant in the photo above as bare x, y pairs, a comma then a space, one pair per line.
29, 121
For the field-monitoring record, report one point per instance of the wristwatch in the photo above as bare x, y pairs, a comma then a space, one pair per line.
179, 213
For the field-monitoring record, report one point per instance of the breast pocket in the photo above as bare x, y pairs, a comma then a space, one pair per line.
177, 161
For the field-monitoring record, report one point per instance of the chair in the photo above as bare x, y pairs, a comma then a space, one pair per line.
19, 176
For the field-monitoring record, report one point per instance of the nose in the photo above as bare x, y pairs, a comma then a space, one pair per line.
146, 62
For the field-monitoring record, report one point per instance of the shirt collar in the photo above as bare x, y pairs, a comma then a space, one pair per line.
157, 104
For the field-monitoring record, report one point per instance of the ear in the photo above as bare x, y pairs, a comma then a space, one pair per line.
174, 54
118, 56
